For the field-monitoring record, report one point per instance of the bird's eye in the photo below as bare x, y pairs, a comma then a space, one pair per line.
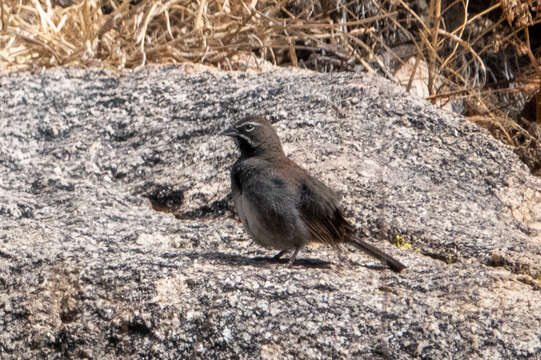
249, 127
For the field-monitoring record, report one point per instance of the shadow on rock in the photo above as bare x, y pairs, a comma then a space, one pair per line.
241, 260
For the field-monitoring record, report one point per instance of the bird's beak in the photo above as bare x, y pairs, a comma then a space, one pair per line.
229, 132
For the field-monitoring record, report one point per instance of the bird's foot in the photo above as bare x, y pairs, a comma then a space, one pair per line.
279, 255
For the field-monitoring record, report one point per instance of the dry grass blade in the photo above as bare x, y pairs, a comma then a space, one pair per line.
460, 30
466, 46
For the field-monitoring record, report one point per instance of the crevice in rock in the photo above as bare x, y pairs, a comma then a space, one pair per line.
213, 210
5, 255
528, 280
515, 267
443, 257
69, 310
138, 327
164, 198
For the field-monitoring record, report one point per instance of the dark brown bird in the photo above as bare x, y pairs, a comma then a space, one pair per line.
280, 205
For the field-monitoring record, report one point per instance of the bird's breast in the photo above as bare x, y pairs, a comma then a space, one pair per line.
268, 208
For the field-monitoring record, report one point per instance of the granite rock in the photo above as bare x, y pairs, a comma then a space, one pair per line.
118, 239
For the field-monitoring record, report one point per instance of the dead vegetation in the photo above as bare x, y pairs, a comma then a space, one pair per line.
482, 57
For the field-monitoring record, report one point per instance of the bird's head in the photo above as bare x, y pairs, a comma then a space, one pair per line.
255, 136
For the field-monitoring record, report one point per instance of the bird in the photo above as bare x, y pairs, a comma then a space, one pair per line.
282, 206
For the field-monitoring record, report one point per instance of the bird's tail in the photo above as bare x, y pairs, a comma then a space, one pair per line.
394, 264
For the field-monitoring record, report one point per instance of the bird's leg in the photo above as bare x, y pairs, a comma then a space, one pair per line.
280, 254
292, 258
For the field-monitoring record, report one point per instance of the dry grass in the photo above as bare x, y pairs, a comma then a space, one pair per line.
455, 41
38, 33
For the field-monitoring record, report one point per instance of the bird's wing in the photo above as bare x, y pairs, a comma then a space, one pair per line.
319, 209
318, 206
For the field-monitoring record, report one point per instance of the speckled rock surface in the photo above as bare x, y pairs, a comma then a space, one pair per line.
90, 269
